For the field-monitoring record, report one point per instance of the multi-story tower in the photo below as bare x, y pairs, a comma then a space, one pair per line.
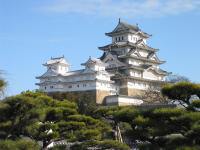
134, 64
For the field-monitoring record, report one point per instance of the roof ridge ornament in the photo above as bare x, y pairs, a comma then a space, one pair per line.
119, 20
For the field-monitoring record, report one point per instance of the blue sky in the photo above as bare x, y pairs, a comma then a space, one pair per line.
31, 31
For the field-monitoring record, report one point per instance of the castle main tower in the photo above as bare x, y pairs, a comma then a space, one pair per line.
134, 64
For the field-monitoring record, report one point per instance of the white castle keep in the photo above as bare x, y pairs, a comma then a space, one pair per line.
127, 67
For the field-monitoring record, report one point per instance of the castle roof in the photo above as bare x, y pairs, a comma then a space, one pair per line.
56, 60
142, 58
49, 73
140, 67
123, 27
93, 61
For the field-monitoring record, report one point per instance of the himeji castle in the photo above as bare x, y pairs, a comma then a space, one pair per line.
127, 67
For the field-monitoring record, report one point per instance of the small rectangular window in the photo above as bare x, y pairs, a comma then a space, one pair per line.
70, 86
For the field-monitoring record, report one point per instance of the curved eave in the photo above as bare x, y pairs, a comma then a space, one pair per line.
148, 80
42, 77
115, 45
132, 67
143, 59
165, 73
143, 34
139, 79
63, 82
55, 63
161, 73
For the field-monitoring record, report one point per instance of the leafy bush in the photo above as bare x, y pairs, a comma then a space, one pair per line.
21, 144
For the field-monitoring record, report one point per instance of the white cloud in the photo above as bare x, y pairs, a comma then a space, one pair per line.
124, 8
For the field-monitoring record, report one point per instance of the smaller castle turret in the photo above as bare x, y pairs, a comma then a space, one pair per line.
94, 64
58, 65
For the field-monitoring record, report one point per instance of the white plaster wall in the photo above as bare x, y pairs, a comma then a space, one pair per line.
59, 68
79, 86
130, 101
133, 38
116, 38
134, 62
138, 85
102, 76
106, 87
123, 100
135, 73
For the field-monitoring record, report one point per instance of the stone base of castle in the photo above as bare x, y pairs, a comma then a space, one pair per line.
96, 96
131, 92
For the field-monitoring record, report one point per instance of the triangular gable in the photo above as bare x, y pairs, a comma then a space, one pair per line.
154, 71
111, 60
119, 27
154, 57
134, 52
93, 61
49, 73
141, 43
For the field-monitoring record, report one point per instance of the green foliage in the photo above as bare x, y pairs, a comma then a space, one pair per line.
188, 148
22, 144
181, 91
42, 118
161, 128
2, 85
196, 103
90, 134
105, 112
126, 114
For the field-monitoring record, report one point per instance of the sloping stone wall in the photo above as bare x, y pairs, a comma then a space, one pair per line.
135, 92
96, 96
74, 96
100, 95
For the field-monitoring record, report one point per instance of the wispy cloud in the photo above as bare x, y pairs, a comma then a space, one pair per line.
125, 8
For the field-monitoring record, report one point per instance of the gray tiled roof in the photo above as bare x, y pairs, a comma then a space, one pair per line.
124, 27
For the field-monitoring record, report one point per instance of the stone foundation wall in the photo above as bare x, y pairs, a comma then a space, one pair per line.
95, 96
74, 96
130, 92
135, 92
100, 95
